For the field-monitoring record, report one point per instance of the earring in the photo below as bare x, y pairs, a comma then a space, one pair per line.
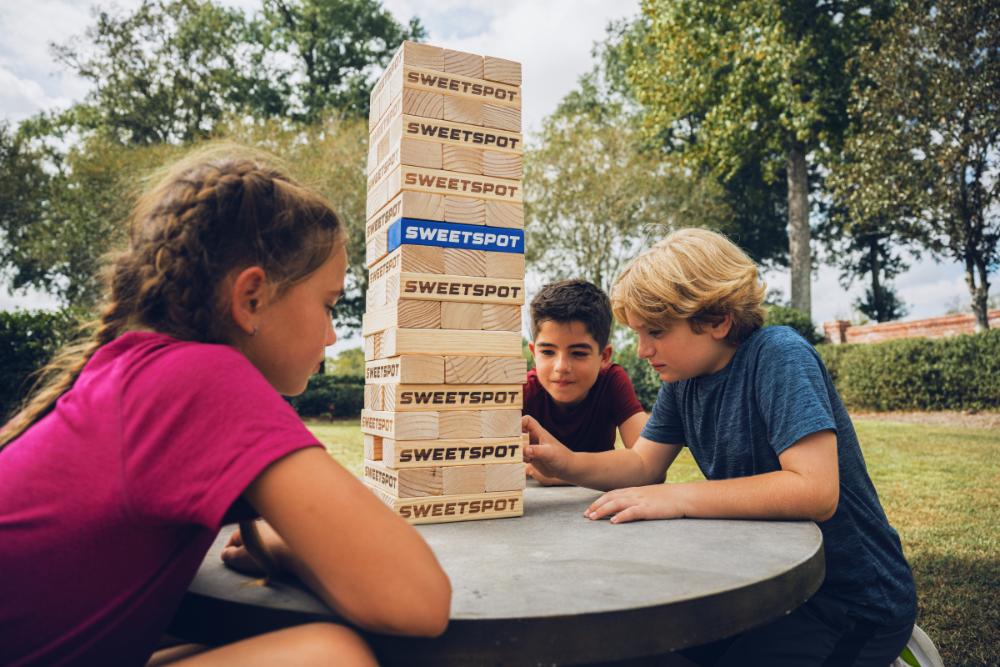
254, 332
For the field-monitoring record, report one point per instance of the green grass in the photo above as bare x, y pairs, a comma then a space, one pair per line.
939, 487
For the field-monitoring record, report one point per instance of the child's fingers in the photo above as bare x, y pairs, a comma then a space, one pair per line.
235, 540
607, 505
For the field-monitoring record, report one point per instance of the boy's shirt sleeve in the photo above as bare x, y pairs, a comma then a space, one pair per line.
665, 425
791, 389
624, 403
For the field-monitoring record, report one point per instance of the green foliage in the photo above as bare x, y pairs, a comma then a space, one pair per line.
645, 380
28, 340
956, 373
330, 396
349, 362
794, 318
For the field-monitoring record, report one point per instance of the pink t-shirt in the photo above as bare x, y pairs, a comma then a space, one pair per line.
589, 426
109, 503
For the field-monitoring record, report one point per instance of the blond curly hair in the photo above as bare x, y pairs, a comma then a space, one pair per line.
695, 275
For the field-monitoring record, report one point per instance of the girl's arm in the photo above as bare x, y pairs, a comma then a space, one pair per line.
364, 561
806, 487
645, 463
631, 428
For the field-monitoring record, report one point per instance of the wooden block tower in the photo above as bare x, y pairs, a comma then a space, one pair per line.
445, 251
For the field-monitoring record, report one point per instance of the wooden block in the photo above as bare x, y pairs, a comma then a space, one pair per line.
447, 287
436, 181
465, 210
373, 397
396, 342
459, 262
445, 509
373, 447
425, 104
465, 160
442, 397
409, 426
504, 214
454, 452
498, 117
496, 93
462, 315
460, 110
411, 259
501, 165
500, 423
406, 482
501, 318
410, 369
466, 64
373, 344
429, 154
408, 313
464, 479
459, 424
503, 265
388, 87
504, 476
484, 370
449, 133
504, 71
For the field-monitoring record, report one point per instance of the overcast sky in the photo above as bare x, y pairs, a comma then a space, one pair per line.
551, 38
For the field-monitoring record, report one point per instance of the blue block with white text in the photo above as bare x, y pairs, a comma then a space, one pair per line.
455, 235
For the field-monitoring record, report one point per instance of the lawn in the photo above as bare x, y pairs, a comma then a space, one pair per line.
939, 486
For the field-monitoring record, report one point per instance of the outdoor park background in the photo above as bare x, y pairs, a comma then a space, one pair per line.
873, 126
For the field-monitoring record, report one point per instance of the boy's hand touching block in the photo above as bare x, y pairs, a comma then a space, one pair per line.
546, 455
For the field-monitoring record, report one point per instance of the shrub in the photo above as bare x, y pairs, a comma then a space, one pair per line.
956, 373
645, 380
28, 340
794, 318
331, 396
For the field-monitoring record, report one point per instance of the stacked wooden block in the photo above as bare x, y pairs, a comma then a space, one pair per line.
445, 250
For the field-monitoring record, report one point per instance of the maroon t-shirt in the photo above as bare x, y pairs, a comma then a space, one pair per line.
590, 425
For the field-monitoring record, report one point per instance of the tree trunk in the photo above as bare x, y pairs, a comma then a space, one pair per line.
799, 253
979, 293
878, 298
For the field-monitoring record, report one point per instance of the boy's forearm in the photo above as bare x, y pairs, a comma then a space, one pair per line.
613, 469
782, 494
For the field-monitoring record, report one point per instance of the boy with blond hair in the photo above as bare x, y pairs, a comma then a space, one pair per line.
766, 426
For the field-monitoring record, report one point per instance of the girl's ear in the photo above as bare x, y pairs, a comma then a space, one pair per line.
248, 291
606, 356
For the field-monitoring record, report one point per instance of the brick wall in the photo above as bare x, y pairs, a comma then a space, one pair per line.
842, 331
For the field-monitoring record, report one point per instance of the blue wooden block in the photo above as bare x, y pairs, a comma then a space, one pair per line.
455, 235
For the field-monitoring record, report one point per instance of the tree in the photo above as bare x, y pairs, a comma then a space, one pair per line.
926, 155
172, 69
722, 84
594, 198
337, 47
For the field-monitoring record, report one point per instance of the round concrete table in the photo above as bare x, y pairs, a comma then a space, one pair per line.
554, 588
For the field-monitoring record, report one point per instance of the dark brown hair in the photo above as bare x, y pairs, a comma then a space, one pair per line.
573, 300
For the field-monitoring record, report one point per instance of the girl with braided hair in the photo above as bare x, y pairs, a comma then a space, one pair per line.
168, 422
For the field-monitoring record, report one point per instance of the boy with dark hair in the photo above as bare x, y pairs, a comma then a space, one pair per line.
575, 391
762, 419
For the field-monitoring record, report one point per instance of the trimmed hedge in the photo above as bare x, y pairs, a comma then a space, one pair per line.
28, 340
958, 373
329, 396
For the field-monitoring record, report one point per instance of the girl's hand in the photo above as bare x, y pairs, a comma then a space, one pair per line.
657, 501
547, 456
236, 556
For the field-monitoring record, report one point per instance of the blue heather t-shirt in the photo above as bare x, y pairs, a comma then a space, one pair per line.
774, 392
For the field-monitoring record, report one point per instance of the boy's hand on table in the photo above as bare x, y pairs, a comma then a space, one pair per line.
236, 556
546, 455
657, 501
